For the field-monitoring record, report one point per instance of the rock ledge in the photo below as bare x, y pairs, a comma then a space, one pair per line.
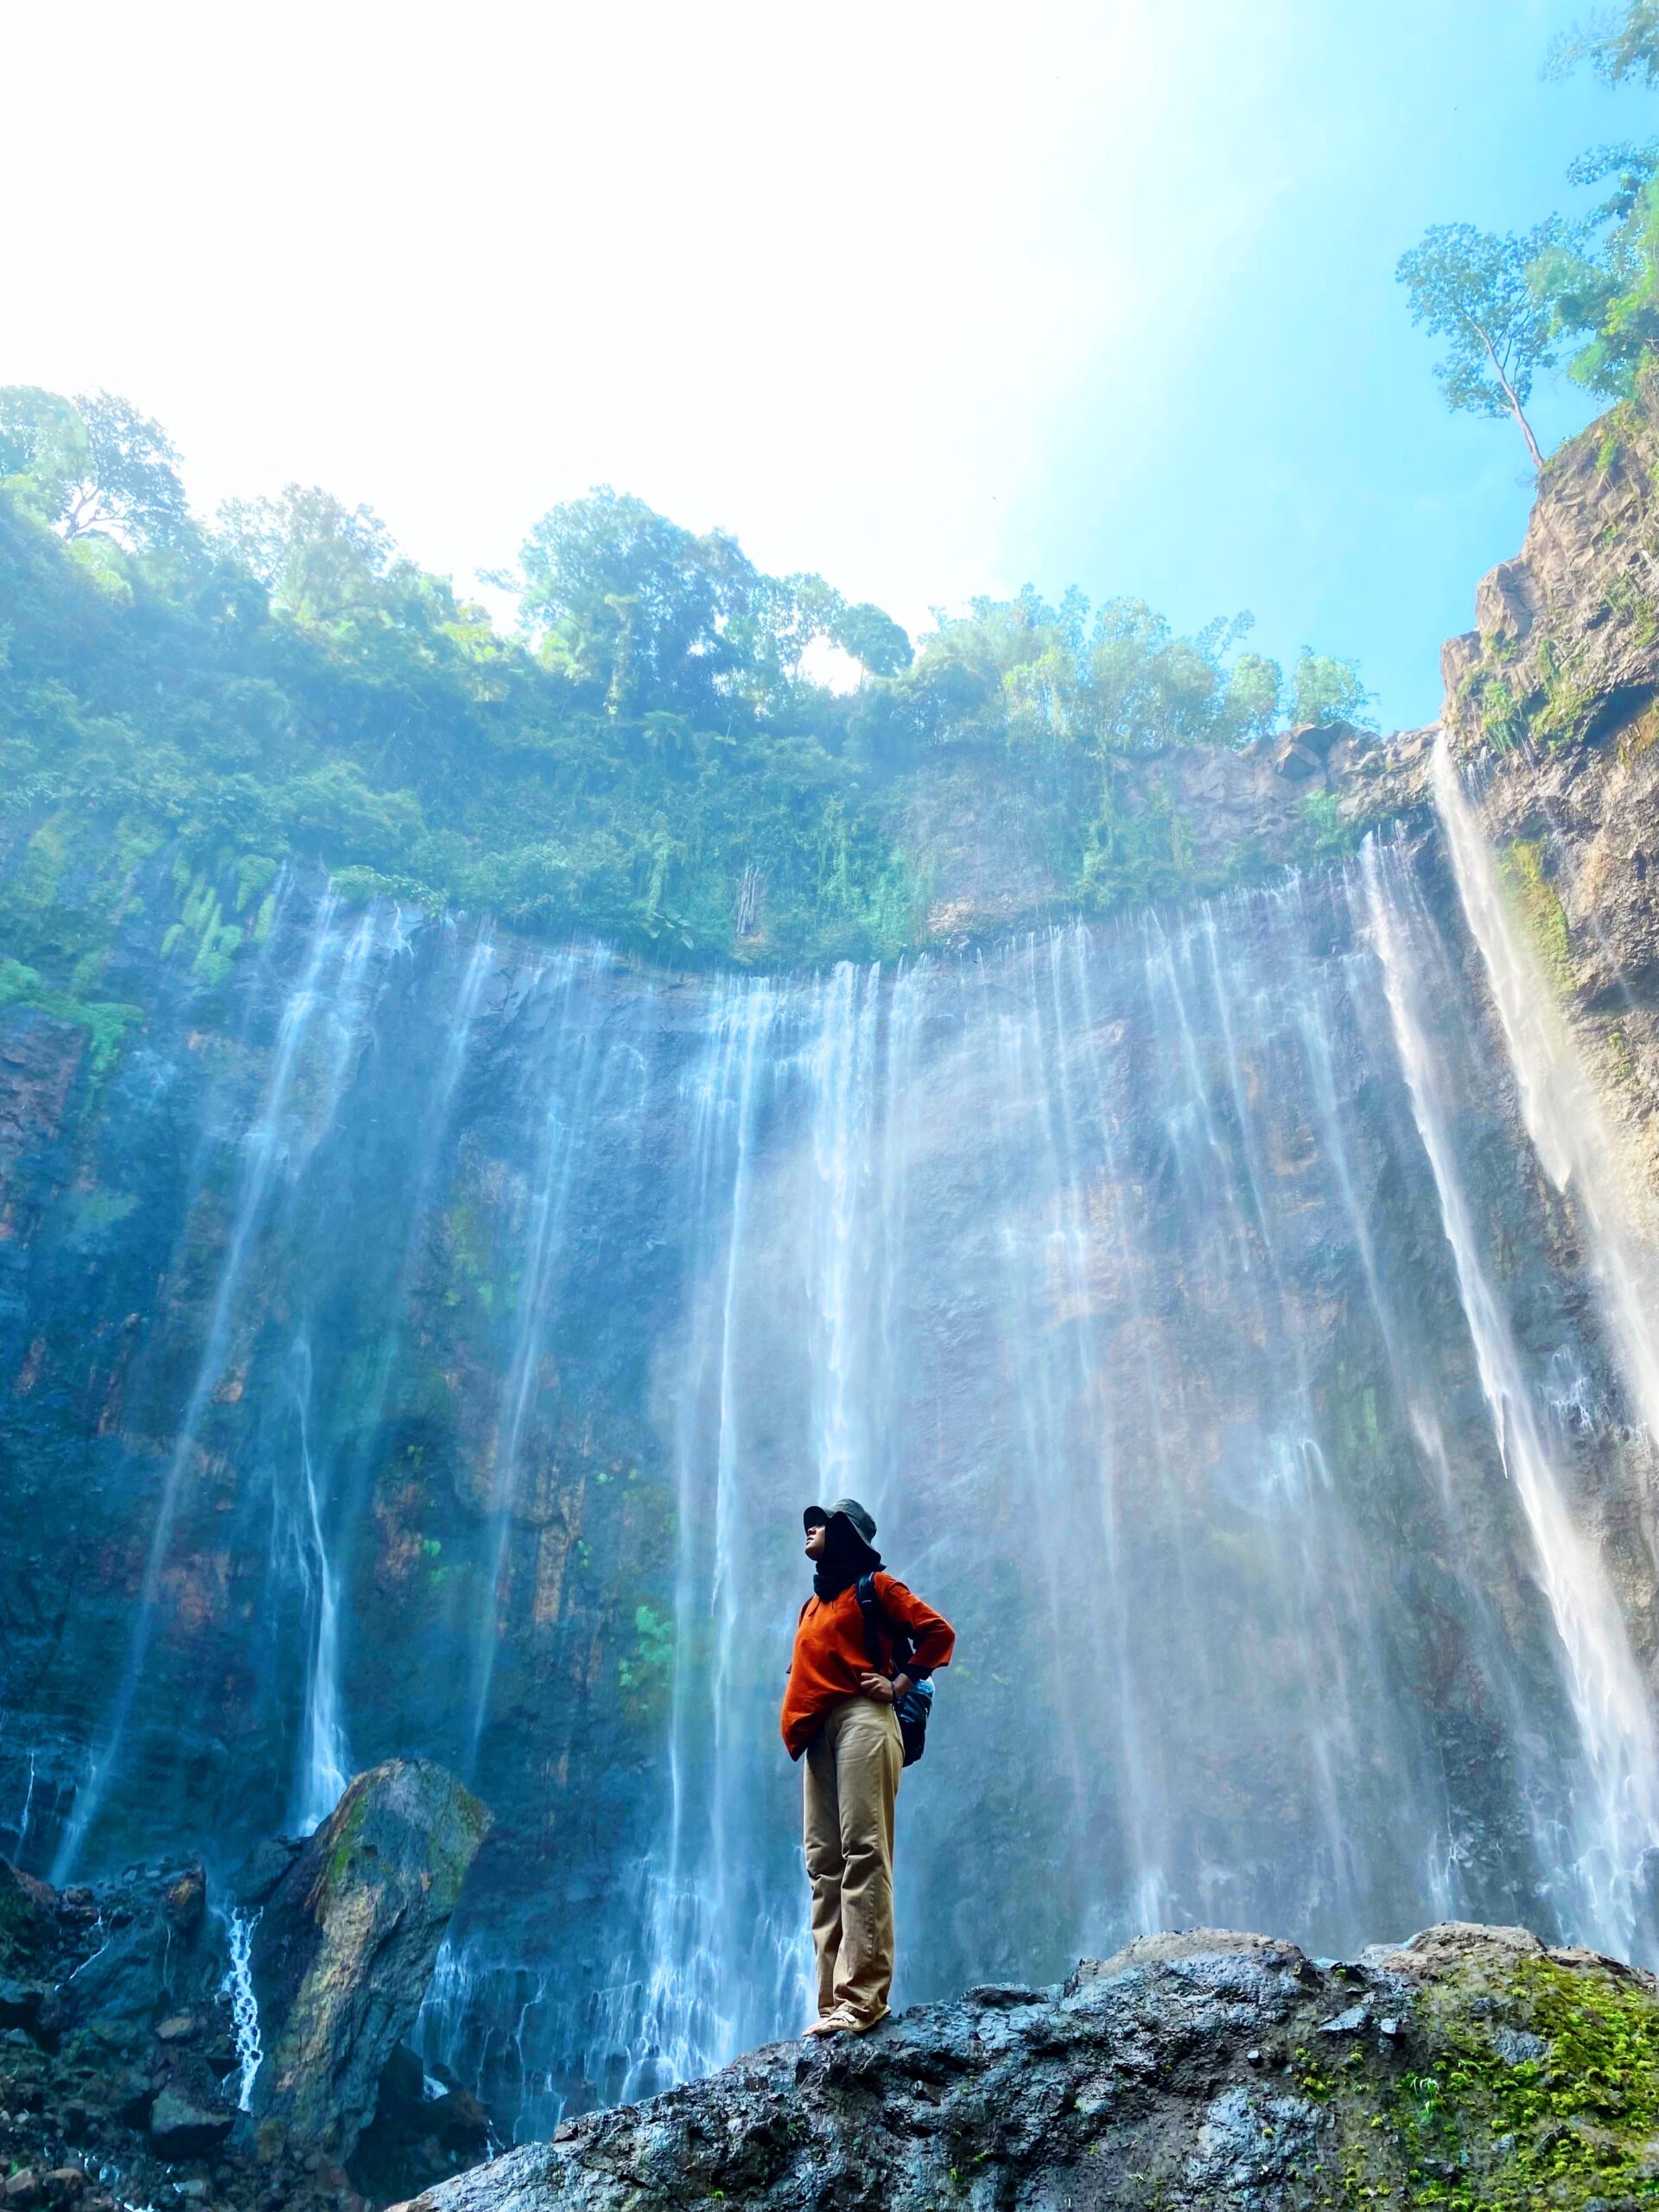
1202, 2070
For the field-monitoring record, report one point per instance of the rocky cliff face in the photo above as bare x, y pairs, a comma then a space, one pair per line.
1551, 708
419, 1347
414, 1342
1219, 2073
155, 2046
1230, 816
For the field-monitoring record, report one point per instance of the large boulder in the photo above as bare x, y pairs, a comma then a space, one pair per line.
345, 1945
1217, 2072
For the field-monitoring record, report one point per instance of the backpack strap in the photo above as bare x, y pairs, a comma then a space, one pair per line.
870, 1605
877, 1622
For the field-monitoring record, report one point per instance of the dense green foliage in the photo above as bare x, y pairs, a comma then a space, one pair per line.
1598, 280
647, 759
93, 467
1580, 293
1618, 48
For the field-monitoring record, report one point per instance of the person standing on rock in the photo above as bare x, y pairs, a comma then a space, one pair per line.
838, 1715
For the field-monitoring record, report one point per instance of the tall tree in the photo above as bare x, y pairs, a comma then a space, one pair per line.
631, 604
1328, 689
1472, 288
92, 467
872, 637
317, 558
653, 616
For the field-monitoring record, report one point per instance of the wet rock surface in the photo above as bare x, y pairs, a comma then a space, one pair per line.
121, 2067
1204, 2070
1239, 812
1163, 1201
345, 1944
1553, 710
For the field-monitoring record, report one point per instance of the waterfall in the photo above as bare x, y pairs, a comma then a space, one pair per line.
1616, 1809
1564, 1115
1181, 1295
591, 1077
325, 1756
280, 1143
1094, 1398
712, 1963
324, 1534
238, 1986
840, 1248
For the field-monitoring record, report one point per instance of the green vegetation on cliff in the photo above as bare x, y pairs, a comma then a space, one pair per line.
648, 758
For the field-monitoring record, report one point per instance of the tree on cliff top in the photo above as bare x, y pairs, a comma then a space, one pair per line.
1472, 288
1329, 690
642, 615
1509, 303
1604, 284
650, 759
93, 467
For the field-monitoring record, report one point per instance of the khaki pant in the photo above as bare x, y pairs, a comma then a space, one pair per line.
849, 1780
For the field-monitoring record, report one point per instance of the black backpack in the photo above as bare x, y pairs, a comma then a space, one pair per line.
916, 1706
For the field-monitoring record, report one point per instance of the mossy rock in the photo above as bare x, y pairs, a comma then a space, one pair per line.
345, 1946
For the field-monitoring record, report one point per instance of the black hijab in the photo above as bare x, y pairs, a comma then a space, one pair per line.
845, 1556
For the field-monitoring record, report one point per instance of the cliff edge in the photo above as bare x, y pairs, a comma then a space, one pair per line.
1552, 715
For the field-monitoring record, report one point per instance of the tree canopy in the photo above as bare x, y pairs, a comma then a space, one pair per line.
91, 467
1597, 280
647, 758
1618, 47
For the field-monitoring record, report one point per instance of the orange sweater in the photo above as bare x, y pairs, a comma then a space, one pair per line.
831, 1653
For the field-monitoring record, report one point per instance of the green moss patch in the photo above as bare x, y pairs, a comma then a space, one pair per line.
105, 1020
1550, 2084
1542, 913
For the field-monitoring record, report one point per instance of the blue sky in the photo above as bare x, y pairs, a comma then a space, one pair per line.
934, 298
1290, 452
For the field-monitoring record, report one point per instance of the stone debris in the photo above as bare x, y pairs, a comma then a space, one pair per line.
119, 2067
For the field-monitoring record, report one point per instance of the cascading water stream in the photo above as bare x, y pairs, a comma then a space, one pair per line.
586, 1078
1615, 1811
271, 1149
839, 1249
689, 2012
323, 1537
1564, 1116
325, 1756
238, 1987
1142, 1278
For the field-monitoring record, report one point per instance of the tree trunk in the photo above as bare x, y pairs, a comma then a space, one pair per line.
1516, 407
